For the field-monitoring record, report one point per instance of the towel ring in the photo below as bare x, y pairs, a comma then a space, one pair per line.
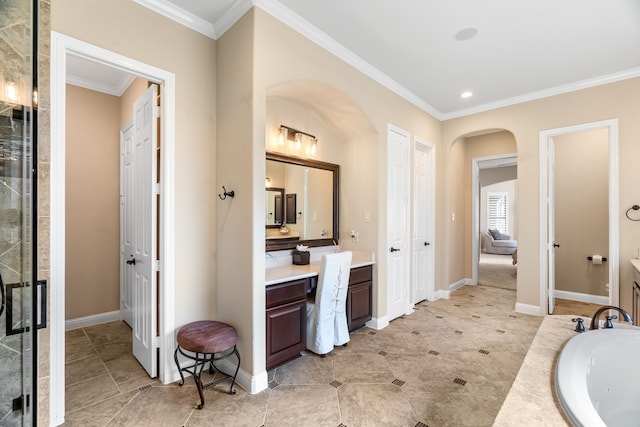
635, 208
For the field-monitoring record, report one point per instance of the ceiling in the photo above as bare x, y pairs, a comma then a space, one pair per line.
431, 51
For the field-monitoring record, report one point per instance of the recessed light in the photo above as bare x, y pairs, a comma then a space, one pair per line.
466, 94
466, 34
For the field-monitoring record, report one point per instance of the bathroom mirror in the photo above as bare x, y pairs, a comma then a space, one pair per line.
314, 207
274, 207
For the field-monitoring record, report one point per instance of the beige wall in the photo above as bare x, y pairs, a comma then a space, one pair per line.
581, 210
92, 203
525, 121
128, 29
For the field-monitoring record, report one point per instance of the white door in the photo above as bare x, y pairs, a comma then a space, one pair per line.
422, 260
398, 278
143, 261
551, 241
126, 222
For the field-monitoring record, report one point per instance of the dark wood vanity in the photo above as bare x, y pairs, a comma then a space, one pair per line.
286, 312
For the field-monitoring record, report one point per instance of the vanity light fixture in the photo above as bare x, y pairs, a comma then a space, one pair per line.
300, 139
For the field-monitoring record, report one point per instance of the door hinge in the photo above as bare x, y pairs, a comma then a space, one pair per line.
157, 111
156, 265
156, 342
156, 188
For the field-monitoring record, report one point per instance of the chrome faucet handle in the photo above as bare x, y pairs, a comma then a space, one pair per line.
607, 323
580, 324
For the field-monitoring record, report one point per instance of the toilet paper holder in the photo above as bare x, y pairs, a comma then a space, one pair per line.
590, 258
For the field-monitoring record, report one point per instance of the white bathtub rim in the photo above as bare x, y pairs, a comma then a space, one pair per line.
573, 395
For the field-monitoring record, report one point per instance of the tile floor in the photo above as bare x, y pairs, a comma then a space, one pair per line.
451, 363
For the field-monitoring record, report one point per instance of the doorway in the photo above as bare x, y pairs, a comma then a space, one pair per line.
61, 47
486, 171
548, 244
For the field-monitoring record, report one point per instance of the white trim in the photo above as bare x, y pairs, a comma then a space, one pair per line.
614, 221
91, 84
378, 323
577, 296
94, 319
442, 294
57, 232
253, 384
545, 93
61, 45
231, 16
457, 285
533, 310
179, 15
477, 163
306, 29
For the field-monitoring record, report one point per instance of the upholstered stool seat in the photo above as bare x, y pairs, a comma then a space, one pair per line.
203, 342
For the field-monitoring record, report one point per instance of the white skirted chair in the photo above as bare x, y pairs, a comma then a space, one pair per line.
326, 316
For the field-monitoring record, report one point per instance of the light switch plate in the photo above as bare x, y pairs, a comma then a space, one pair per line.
367, 216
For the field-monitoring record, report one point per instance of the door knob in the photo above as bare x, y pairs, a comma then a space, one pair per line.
394, 249
555, 245
427, 243
132, 261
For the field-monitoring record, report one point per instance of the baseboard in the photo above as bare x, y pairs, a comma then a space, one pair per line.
378, 323
533, 310
577, 296
457, 285
253, 384
94, 319
442, 294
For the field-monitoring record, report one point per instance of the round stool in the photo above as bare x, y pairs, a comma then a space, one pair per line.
205, 342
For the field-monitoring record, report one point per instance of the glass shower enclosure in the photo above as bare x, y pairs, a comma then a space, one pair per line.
18, 291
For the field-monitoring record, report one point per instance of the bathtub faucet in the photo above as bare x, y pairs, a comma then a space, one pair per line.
608, 325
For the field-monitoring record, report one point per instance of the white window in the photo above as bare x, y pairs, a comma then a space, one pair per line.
498, 211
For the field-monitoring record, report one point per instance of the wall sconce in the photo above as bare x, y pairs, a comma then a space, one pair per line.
267, 183
299, 139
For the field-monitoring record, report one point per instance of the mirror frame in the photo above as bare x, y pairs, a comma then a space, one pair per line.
274, 245
281, 191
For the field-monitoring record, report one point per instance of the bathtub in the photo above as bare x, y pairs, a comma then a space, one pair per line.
598, 378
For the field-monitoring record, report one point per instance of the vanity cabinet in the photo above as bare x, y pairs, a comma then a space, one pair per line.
286, 319
359, 297
286, 313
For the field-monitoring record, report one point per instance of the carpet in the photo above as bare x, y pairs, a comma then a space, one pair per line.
497, 271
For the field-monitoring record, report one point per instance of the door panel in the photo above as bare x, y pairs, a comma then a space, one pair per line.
127, 174
398, 223
144, 243
422, 268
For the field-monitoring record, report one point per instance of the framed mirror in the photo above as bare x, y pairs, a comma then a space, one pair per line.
274, 207
311, 204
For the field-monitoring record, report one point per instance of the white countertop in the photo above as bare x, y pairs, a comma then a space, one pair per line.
285, 273
636, 264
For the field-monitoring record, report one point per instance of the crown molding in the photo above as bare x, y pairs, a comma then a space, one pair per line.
115, 90
181, 16
302, 26
231, 16
557, 90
